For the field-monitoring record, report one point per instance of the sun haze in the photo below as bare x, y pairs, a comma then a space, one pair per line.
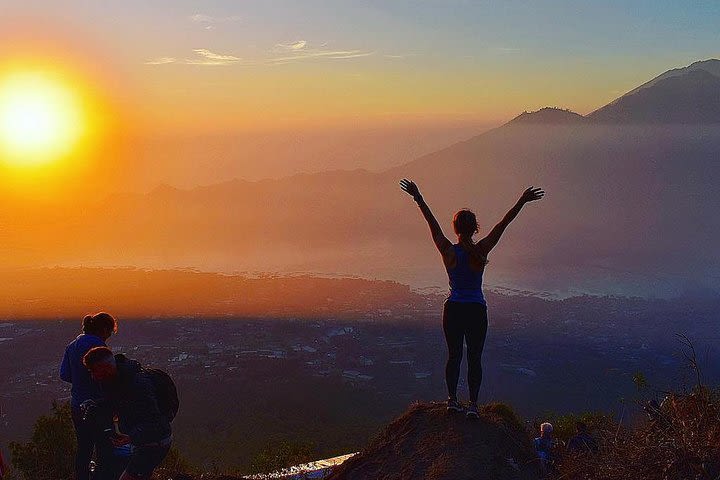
41, 119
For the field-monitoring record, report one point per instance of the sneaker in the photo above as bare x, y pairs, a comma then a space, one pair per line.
472, 411
453, 405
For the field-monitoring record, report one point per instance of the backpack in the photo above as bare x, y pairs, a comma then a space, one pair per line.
165, 392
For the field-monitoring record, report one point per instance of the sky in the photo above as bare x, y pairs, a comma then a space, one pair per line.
223, 65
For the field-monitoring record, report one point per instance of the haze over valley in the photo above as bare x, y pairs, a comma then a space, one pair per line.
631, 207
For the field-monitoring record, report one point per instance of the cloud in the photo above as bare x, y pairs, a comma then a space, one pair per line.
294, 46
507, 50
401, 57
203, 18
203, 52
327, 54
161, 61
301, 50
204, 57
284, 53
353, 54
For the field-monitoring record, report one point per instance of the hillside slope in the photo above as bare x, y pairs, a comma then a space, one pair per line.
690, 98
427, 443
711, 66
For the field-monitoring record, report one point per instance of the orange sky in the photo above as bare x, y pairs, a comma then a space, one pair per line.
202, 72
183, 76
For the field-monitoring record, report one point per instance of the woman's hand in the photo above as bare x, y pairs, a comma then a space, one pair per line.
410, 188
532, 194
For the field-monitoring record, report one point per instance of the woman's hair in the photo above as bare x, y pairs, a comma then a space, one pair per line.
99, 323
465, 223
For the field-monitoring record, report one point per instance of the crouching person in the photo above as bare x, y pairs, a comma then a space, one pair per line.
141, 405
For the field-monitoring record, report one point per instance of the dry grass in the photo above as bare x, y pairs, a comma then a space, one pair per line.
681, 442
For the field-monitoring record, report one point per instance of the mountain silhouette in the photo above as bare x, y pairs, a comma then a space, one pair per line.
687, 98
711, 66
549, 116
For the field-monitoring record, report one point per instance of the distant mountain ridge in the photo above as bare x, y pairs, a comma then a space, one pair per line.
631, 207
711, 66
688, 95
688, 98
549, 116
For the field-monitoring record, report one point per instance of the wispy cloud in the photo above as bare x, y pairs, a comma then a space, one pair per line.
281, 54
161, 61
300, 50
203, 57
293, 47
507, 50
351, 54
212, 58
401, 57
203, 18
210, 22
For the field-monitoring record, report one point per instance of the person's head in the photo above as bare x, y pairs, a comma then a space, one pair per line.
546, 429
101, 324
465, 224
100, 362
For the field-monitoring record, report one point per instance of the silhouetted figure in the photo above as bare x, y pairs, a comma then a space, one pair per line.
131, 394
96, 329
465, 310
543, 447
582, 441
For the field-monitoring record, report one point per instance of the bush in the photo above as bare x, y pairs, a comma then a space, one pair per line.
50, 454
682, 441
504, 413
175, 463
282, 454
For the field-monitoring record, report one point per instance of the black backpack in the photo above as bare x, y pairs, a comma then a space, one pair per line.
165, 392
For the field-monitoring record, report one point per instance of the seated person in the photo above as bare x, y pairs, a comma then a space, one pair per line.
543, 447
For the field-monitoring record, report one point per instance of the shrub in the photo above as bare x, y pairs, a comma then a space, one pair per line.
50, 453
682, 441
282, 454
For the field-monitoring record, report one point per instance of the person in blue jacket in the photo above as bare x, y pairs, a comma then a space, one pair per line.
96, 330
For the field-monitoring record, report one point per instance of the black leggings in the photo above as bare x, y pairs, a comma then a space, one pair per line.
89, 439
466, 321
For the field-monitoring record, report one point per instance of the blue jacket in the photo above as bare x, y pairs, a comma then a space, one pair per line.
73, 371
543, 448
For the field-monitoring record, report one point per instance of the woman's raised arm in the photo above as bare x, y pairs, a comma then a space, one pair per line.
441, 241
489, 242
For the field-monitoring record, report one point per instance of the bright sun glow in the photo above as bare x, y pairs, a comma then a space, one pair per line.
41, 120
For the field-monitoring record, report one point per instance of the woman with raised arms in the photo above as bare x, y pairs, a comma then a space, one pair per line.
465, 317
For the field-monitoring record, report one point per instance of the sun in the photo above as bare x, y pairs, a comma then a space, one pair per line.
41, 119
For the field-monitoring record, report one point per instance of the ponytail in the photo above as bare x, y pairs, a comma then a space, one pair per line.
99, 323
